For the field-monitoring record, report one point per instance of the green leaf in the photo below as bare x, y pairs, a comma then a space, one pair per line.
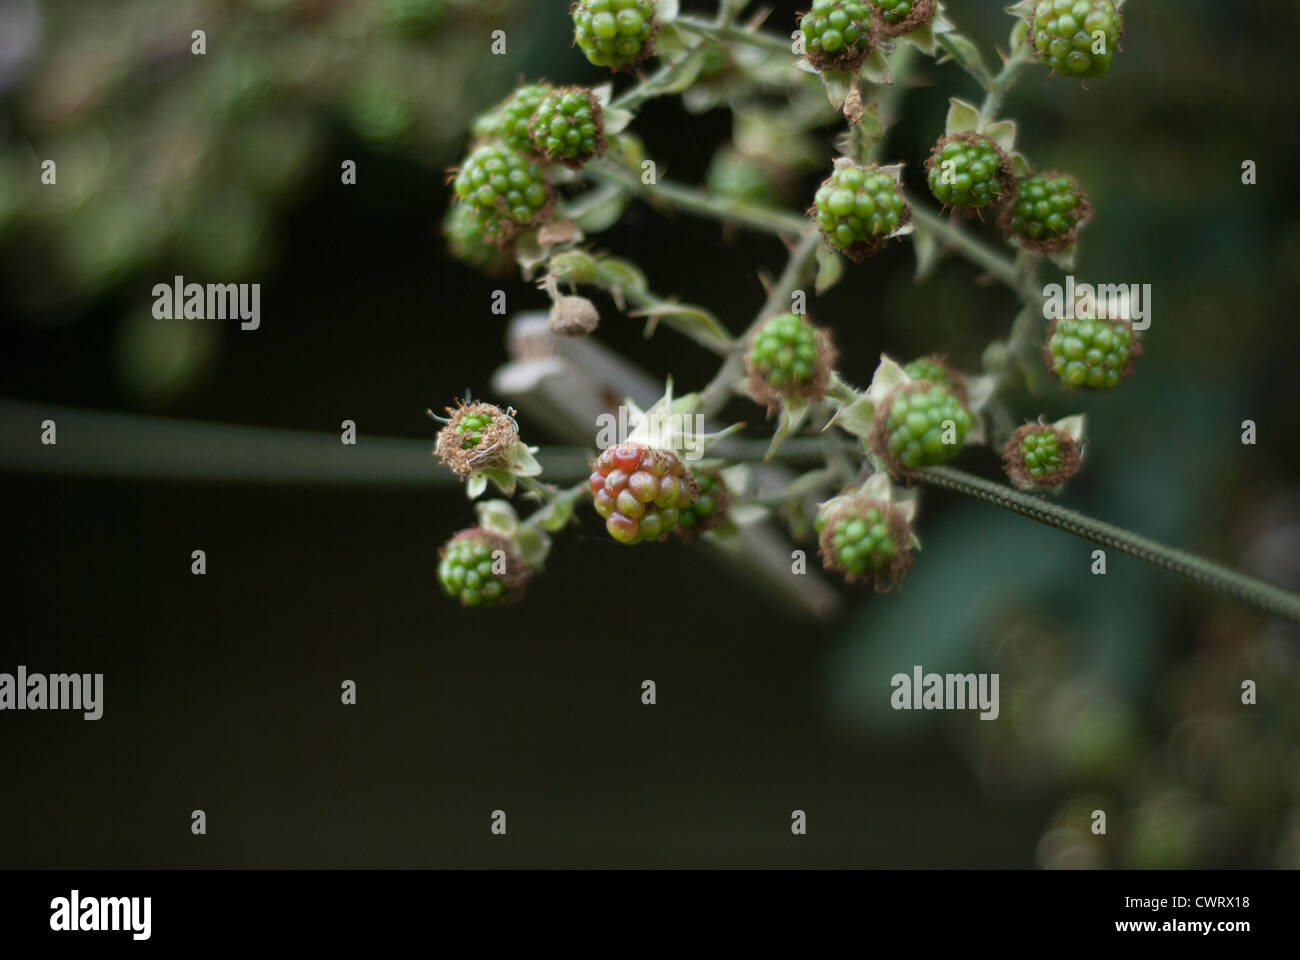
497, 516
1020, 165
695, 322
1064, 258
964, 51
838, 83
1003, 133
793, 414
670, 39
830, 268
533, 546
926, 249
962, 116
876, 68
922, 38
684, 72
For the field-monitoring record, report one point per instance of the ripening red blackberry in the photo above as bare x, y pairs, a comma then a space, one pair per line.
640, 491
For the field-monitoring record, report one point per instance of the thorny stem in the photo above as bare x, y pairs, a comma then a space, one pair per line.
1263, 596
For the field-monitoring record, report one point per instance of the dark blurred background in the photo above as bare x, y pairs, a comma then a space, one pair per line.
222, 692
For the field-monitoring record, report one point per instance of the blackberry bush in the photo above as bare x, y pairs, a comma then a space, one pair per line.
788, 358
568, 127
481, 568
640, 491
1045, 212
858, 208
615, 33
838, 34
1092, 352
969, 171
909, 422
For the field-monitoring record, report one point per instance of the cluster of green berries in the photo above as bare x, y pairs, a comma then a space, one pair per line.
471, 426
1046, 212
709, 510
969, 170
464, 229
920, 424
614, 33
640, 491
480, 568
567, 127
904, 16
788, 357
1039, 456
838, 34
864, 539
858, 208
510, 121
1042, 453
1076, 37
506, 187
1095, 352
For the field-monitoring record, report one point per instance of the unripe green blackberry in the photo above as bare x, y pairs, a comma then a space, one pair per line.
464, 230
568, 127
1039, 456
788, 358
1093, 352
615, 33
919, 424
935, 368
1076, 37
903, 16
477, 435
858, 208
838, 34
970, 171
506, 187
734, 176
1045, 212
481, 568
864, 539
508, 120
640, 491
709, 511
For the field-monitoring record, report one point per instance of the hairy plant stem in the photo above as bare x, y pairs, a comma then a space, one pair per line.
724, 33
1263, 596
715, 395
